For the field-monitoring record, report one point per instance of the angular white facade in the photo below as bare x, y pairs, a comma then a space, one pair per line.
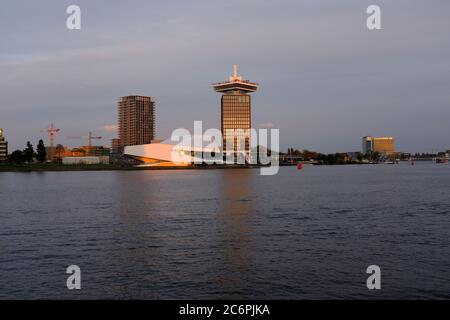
167, 153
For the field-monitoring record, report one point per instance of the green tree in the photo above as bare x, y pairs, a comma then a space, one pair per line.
59, 152
359, 156
375, 156
16, 157
41, 154
28, 152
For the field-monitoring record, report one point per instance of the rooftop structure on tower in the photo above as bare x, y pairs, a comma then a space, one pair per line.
235, 83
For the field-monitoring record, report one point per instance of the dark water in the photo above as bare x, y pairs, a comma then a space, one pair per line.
227, 233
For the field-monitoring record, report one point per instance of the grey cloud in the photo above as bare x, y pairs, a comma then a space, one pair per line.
325, 79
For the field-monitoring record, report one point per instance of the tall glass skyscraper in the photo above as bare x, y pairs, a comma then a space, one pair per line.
236, 115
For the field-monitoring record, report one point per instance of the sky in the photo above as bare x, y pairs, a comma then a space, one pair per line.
325, 79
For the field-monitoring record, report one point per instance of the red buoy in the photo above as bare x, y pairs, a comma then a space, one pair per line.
299, 166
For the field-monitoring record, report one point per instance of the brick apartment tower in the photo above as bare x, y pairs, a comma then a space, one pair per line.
136, 120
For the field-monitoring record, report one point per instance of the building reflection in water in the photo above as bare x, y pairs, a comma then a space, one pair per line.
138, 250
177, 231
235, 230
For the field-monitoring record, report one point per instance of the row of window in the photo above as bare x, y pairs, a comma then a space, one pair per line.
236, 98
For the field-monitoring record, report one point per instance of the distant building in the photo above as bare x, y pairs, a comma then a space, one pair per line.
236, 114
136, 117
95, 151
3, 147
58, 153
367, 145
384, 145
354, 155
115, 146
85, 160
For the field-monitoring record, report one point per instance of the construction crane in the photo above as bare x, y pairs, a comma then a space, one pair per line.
51, 130
89, 138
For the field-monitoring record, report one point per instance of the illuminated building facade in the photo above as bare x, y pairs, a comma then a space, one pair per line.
384, 145
168, 153
3, 147
136, 120
236, 115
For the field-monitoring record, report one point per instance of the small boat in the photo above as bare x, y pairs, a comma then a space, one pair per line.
441, 160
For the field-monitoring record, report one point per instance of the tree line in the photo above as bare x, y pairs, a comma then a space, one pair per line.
333, 158
28, 154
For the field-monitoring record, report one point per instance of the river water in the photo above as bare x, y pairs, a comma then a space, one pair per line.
227, 234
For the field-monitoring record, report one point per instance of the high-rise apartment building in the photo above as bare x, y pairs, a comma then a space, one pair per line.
3, 147
236, 114
136, 120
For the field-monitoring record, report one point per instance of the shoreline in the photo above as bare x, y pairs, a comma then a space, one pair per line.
109, 167
51, 167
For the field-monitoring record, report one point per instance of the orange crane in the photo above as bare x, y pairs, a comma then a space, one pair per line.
89, 138
51, 130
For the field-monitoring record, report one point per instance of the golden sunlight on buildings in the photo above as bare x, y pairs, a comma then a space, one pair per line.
385, 145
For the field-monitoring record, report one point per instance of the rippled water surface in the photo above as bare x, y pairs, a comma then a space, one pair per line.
213, 234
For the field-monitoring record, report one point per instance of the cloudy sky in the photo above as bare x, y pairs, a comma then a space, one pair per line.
326, 80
